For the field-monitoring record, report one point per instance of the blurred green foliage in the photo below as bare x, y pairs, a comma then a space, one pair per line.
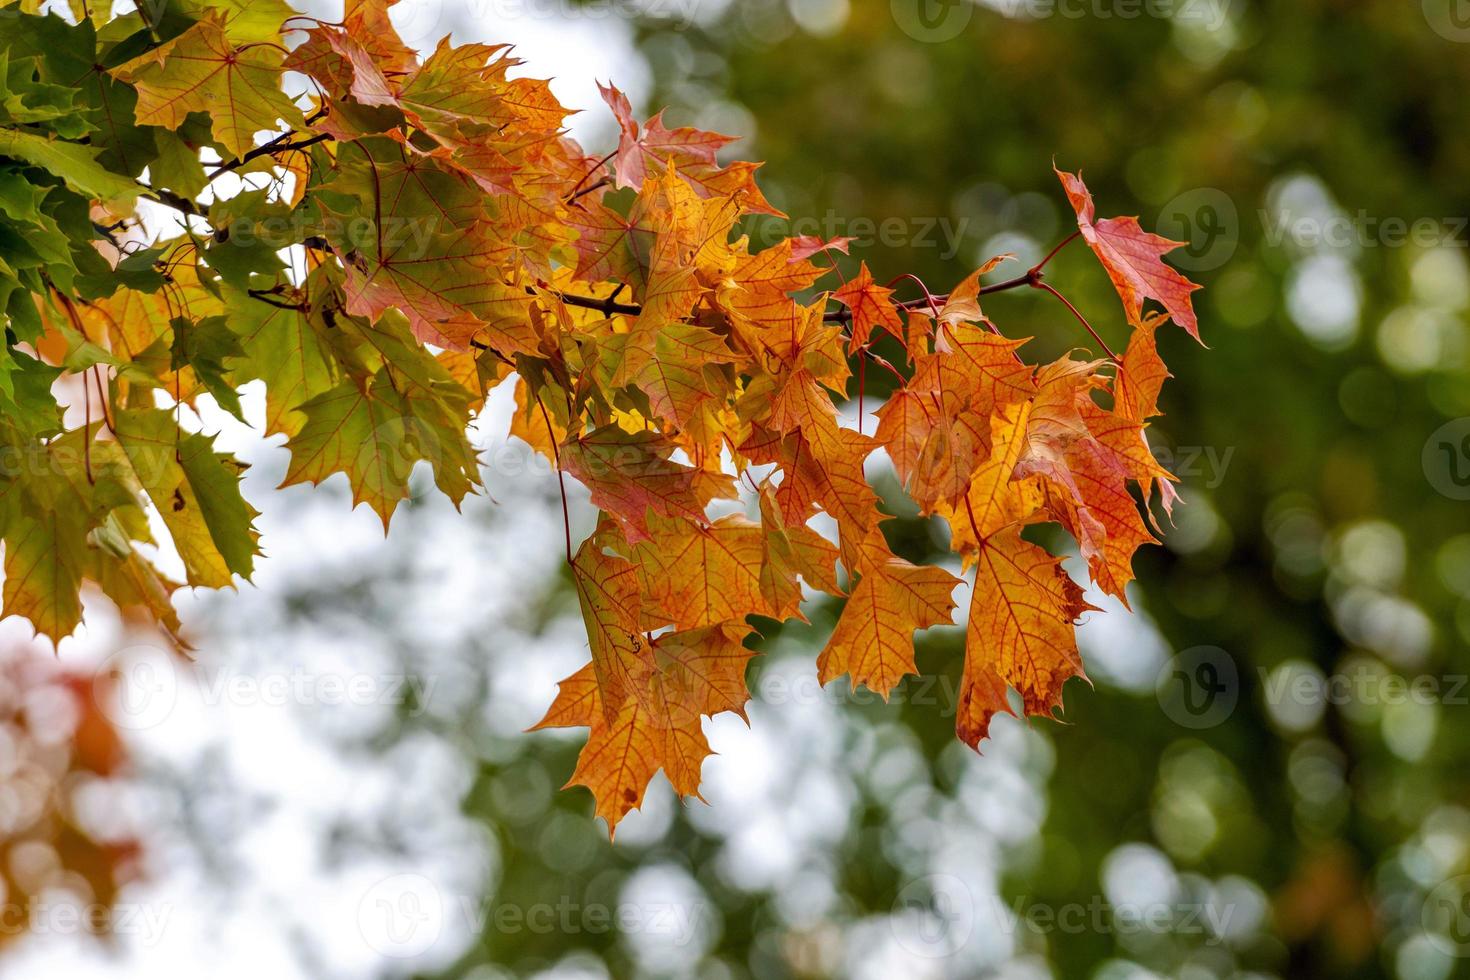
1324, 532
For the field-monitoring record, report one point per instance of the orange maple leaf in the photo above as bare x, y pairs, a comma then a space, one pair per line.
1021, 632
871, 308
873, 641
658, 726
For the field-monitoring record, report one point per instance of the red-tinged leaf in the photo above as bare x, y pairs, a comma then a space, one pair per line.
805, 246
935, 444
654, 145
1056, 420
343, 65
978, 366
828, 473
611, 246
1133, 259
1101, 468
630, 474
368, 22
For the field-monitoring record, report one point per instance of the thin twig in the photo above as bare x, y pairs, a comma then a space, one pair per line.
1080, 318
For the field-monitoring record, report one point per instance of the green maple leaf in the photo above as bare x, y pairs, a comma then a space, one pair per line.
72, 162
206, 346
202, 70
291, 350
375, 434
196, 492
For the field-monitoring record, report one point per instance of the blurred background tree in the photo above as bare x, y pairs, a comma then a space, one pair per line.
1313, 157
1250, 788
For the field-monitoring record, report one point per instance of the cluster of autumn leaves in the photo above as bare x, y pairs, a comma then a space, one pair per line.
412, 232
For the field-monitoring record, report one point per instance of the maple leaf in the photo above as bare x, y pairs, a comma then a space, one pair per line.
454, 236
980, 367
873, 638
653, 144
608, 593
64, 524
805, 246
202, 70
290, 350
367, 22
375, 433
668, 365
793, 550
697, 576
690, 674
933, 442
758, 288
871, 308
630, 475
1133, 259
1141, 375
1021, 632
937, 427
1056, 422
344, 65
995, 498
197, 494
1101, 468
962, 305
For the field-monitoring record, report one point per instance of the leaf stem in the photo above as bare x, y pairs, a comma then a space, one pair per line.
561, 477
1039, 284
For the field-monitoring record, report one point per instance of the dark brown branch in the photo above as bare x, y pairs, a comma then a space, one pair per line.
265, 296
604, 306
281, 144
